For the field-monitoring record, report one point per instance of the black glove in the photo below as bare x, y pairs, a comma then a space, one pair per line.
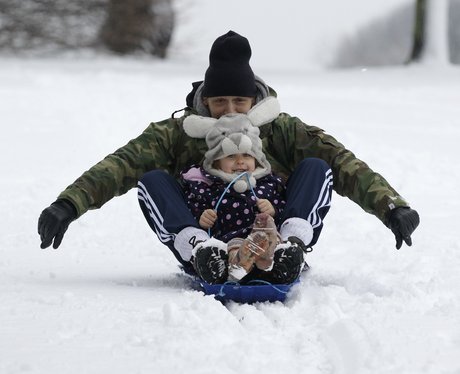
54, 221
403, 221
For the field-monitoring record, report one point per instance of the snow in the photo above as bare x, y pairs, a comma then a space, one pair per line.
112, 300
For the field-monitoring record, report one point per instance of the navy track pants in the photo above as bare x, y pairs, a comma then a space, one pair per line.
162, 201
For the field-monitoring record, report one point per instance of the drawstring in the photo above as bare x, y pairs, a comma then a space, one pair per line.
228, 187
177, 111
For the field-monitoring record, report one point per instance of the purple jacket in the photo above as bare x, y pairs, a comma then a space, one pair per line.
237, 211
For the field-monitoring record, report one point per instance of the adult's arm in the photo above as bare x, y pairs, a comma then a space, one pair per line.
120, 171
292, 140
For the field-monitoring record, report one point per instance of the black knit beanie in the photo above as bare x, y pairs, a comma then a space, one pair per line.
229, 73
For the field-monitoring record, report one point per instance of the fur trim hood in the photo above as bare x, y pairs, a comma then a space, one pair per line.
195, 98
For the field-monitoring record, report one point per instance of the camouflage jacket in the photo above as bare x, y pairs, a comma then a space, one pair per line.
286, 141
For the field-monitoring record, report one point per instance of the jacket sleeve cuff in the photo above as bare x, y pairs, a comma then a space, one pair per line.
77, 198
387, 205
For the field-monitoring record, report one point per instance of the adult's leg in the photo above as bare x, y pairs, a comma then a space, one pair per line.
308, 198
163, 203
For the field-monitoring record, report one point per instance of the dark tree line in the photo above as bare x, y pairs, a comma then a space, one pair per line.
421, 31
146, 26
122, 26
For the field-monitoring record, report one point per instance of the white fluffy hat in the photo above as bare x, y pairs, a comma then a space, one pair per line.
232, 134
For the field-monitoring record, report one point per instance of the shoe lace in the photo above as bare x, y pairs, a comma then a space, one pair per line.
252, 244
296, 241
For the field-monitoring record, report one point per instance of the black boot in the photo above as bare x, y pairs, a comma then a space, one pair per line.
288, 263
211, 262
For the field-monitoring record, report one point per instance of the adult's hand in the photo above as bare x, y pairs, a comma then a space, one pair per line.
403, 221
54, 221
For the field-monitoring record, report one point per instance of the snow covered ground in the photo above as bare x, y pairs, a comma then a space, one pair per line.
112, 300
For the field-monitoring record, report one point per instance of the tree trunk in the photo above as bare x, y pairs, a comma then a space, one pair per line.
419, 30
138, 25
430, 45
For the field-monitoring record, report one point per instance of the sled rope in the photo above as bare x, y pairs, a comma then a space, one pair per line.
254, 282
259, 281
228, 283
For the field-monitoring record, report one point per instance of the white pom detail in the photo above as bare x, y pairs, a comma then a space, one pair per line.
240, 185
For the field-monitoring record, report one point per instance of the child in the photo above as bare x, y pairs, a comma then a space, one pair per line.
233, 219
235, 196
239, 205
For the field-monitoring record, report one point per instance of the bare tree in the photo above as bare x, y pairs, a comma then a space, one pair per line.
430, 35
419, 30
49, 25
138, 25
123, 26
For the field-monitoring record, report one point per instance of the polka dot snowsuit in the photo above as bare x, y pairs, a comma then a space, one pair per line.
237, 211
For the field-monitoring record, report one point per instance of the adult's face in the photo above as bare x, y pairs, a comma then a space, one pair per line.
221, 105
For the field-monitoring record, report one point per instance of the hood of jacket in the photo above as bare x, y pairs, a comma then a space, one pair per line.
195, 102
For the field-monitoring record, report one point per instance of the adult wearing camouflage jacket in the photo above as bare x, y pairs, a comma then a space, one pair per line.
165, 146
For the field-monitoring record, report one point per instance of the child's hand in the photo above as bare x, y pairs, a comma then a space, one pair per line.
208, 218
265, 206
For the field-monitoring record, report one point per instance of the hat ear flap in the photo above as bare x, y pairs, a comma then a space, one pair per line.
264, 111
198, 126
